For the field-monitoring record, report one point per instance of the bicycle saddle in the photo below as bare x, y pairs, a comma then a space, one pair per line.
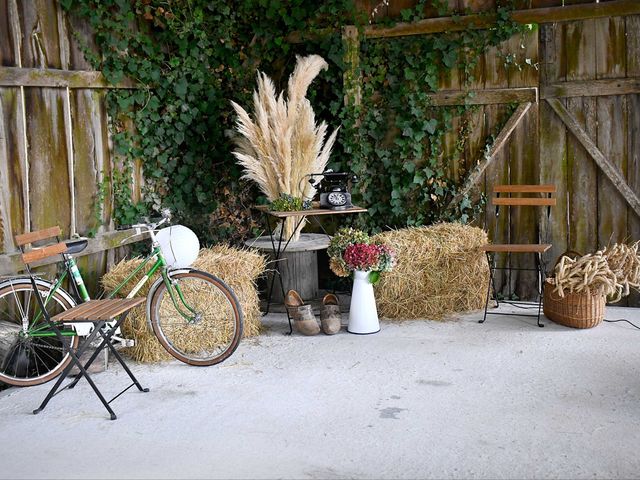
76, 246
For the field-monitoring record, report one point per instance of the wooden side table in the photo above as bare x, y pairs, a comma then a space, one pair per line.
280, 244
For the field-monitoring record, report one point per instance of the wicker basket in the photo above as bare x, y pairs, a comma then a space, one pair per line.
577, 310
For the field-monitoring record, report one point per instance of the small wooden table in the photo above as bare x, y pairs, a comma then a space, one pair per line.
102, 314
279, 246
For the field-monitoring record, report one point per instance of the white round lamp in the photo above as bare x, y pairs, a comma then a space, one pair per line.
179, 245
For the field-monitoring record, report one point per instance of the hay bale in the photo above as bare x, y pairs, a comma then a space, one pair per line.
238, 268
440, 270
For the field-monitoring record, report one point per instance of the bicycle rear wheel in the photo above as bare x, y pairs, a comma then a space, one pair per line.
25, 358
198, 320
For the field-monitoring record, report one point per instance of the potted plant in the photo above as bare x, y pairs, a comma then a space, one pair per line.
281, 144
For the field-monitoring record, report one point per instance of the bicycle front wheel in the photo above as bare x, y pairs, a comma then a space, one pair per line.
197, 319
31, 354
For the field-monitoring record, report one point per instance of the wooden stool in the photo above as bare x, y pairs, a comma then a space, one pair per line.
98, 312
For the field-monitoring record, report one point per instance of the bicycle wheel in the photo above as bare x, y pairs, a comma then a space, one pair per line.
199, 321
25, 359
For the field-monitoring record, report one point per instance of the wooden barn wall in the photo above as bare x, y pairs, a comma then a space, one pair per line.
42, 183
590, 213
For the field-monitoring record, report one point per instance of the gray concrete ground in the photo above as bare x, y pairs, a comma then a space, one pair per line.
420, 399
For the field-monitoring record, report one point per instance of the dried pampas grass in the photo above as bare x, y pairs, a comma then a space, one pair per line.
281, 143
238, 268
440, 270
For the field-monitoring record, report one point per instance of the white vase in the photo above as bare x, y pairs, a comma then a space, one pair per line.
363, 314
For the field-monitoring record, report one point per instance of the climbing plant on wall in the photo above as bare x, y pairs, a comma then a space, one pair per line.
189, 58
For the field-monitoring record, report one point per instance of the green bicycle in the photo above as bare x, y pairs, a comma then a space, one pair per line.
195, 316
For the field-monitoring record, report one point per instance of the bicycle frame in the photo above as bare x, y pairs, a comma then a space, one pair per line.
80, 290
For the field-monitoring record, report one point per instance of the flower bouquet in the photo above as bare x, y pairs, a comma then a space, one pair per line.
353, 250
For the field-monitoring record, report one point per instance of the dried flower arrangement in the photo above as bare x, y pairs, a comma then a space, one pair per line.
282, 143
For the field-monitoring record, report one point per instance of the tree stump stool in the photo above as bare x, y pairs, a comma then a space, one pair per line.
298, 263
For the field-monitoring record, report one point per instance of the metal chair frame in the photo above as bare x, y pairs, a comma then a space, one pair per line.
491, 251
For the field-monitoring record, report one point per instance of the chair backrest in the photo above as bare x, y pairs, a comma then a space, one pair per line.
39, 253
528, 198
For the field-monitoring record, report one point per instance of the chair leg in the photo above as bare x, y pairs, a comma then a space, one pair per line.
540, 267
75, 361
491, 264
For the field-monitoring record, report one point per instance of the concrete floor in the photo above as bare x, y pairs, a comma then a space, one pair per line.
418, 400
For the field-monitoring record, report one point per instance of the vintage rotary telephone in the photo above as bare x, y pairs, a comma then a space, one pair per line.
333, 189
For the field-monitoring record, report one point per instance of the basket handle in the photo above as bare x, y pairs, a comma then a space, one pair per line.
568, 253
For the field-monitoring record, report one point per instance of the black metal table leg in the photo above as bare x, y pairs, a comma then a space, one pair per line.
278, 252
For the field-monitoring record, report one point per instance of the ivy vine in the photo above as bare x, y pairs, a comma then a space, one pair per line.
190, 57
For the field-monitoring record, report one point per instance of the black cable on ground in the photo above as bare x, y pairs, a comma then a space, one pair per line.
623, 320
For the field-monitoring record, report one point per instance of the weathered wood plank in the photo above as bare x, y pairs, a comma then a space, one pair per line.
581, 170
612, 170
591, 88
552, 143
36, 77
525, 48
11, 263
7, 52
633, 130
633, 174
48, 171
92, 165
351, 77
610, 47
40, 47
474, 177
553, 170
497, 173
12, 156
612, 142
484, 96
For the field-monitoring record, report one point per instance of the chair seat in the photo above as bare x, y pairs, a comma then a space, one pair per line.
516, 247
98, 310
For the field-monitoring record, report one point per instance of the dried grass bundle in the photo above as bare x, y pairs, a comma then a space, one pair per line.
239, 268
281, 143
624, 261
611, 272
440, 270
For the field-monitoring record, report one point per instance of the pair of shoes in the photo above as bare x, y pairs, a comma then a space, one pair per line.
305, 322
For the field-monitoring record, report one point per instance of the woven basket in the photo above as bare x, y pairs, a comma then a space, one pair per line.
577, 310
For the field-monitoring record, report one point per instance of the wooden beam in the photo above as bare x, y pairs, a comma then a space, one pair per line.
482, 164
609, 169
533, 15
481, 21
591, 88
484, 97
11, 263
53, 78
351, 78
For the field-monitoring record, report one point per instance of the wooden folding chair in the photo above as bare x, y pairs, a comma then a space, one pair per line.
529, 197
106, 316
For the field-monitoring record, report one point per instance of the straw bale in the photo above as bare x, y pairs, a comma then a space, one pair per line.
238, 268
440, 270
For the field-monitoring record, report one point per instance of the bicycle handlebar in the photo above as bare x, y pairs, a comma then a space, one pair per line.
149, 225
